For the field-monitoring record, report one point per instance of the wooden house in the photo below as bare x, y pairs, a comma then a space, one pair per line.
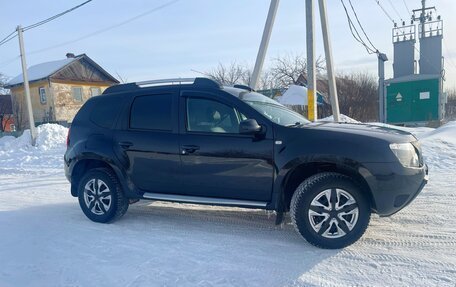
59, 88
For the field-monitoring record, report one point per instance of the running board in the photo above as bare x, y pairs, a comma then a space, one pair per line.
204, 200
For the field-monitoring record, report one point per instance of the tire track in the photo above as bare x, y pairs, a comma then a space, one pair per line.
395, 260
411, 241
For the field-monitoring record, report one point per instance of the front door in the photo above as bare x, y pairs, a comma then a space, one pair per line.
217, 161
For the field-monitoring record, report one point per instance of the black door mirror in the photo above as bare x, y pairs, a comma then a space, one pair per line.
249, 127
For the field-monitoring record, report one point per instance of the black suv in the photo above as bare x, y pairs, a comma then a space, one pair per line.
194, 141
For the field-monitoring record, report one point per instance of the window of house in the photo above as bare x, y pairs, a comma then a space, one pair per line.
94, 91
151, 113
77, 93
12, 127
42, 92
204, 115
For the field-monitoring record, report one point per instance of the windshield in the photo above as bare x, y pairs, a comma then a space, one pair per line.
273, 110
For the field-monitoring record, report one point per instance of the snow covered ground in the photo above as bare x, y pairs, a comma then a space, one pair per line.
45, 240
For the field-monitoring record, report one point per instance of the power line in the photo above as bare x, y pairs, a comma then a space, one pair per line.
13, 34
406, 7
361, 26
395, 10
55, 16
8, 38
355, 32
384, 11
10, 34
107, 28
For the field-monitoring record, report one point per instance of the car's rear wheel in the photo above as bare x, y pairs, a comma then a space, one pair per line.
100, 196
329, 210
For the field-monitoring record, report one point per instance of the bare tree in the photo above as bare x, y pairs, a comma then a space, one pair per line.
3, 81
290, 69
122, 79
230, 75
358, 96
450, 107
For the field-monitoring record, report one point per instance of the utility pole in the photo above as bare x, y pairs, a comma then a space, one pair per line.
382, 58
264, 43
423, 17
26, 86
311, 67
329, 61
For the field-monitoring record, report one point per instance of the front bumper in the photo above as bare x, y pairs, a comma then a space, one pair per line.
394, 186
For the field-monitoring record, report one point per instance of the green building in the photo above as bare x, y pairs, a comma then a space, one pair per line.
414, 100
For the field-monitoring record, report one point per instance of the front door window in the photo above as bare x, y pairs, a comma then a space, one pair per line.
204, 115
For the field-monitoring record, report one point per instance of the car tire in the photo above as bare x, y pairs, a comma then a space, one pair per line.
100, 196
329, 210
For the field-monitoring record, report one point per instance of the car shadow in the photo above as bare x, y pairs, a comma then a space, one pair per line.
166, 244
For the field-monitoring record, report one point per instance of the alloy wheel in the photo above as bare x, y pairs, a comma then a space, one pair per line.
97, 196
333, 213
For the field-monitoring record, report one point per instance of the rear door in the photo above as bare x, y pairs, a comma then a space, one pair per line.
217, 161
148, 142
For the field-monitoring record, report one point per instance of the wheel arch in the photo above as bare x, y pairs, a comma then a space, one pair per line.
300, 172
86, 164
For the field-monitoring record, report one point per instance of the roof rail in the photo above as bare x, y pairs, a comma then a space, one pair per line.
244, 87
198, 82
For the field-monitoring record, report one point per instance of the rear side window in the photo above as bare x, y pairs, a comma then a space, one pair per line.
105, 111
151, 113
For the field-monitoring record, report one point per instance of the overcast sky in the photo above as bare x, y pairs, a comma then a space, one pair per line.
198, 34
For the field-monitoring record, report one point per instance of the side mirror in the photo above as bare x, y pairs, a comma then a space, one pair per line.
249, 127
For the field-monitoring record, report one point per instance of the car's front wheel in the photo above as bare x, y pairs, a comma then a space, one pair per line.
329, 210
100, 196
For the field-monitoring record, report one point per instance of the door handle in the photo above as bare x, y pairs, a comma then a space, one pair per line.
186, 149
125, 145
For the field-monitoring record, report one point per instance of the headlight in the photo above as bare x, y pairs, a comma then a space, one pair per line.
406, 154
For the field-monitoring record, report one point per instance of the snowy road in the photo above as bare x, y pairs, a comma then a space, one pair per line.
45, 240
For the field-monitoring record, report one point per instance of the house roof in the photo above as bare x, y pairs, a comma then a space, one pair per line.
297, 96
45, 70
41, 71
6, 105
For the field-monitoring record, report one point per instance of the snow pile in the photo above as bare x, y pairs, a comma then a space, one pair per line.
51, 136
343, 119
444, 134
18, 154
6, 141
439, 147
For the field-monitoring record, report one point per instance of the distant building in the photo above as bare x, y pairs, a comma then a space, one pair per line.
59, 88
6, 114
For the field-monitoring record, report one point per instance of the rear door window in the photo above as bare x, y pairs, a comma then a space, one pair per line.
106, 111
152, 112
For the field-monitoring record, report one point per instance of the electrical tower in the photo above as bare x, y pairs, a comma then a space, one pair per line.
414, 95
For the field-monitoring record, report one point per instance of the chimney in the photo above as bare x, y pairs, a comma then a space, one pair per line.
70, 55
